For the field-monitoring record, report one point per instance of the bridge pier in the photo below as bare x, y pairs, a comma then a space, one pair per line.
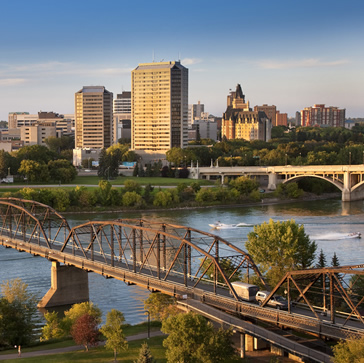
69, 285
272, 181
351, 196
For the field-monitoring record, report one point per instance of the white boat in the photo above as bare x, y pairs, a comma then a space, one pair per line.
354, 235
219, 225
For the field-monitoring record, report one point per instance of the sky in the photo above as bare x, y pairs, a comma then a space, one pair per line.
289, 53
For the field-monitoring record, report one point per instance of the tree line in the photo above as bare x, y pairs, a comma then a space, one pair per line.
135, 196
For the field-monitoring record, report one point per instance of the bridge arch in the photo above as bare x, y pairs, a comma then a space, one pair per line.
336, 183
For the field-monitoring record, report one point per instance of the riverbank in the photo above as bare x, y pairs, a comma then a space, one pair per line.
307, 197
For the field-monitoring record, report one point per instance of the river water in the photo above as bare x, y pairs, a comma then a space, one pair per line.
327, 222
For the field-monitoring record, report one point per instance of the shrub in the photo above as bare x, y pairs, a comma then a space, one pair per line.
205, 195
133, 199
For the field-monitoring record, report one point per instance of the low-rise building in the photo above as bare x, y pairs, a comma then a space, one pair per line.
322, 116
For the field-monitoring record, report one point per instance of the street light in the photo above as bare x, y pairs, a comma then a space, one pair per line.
147, 311
349, 157
286, 159
108, 172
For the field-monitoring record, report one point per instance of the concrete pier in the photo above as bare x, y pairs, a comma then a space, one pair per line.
69, 286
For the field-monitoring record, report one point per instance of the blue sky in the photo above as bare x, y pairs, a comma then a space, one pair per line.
288, 53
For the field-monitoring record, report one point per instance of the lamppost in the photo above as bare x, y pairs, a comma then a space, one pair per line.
147, 311
108, 172
286, 159
231, 160
349, 157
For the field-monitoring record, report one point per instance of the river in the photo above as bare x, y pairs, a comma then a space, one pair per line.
327, 222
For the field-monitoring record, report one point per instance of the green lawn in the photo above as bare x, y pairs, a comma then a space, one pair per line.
94, 180
101, 354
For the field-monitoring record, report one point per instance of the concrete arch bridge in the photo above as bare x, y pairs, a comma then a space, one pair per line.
348, 179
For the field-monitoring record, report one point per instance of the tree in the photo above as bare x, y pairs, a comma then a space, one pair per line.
244, 185
175, 155
145, 355
160, 306
61, 170
78, 310
34, 171
18, 313
5, 163
191, 338
53, 329
278, 247
113, 332
349, 351
85, 331
321, 260
38, 153
104, 164
103, 193
58, 144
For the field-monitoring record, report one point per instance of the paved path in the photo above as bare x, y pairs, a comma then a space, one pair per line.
70, 349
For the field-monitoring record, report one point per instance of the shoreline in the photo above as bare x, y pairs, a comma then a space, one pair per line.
263, 202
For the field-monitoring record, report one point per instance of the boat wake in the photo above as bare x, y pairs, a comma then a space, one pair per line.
335, 236
219, 225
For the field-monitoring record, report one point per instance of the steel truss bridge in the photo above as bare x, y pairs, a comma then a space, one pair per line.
186, 263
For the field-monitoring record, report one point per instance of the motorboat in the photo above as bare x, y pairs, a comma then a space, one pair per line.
219, 225
354, 235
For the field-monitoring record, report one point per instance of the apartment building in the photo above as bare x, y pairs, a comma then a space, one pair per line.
322, 116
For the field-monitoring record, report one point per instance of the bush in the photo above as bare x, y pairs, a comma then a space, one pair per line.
133, 199
205, 195
132, 186
166, 198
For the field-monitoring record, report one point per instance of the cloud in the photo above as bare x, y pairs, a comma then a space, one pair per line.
190, 61
303, 63
11, 81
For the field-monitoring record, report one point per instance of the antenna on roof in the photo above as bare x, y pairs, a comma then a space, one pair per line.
153, 55
179, 57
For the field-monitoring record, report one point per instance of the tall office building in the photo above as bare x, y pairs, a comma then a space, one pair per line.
159, 106
94, 118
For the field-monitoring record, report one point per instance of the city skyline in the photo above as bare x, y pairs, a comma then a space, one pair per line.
289, 54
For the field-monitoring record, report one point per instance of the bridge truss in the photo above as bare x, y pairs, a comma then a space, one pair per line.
165, 251
330, 290
31, 222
